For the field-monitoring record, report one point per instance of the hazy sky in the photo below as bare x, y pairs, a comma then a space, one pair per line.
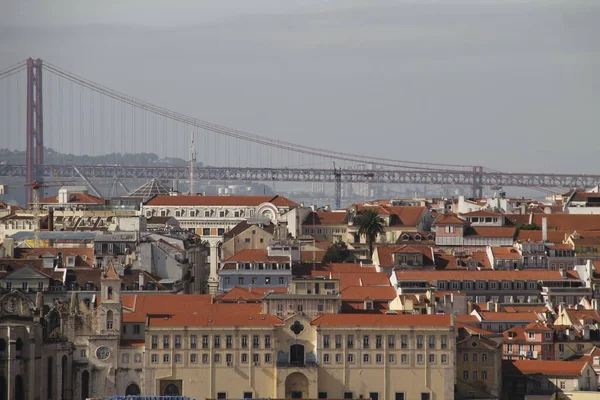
511, 85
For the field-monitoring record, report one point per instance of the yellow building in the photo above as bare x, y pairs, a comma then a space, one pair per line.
229, 350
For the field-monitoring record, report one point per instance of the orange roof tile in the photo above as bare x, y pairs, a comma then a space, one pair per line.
473, 329
366, 320
449, 219
505, 316
544, 367
75, 198
255, 255
488, 275
238, 293
491, 231
506, 253
481, 213
375, 293
166, 200
144, 304
326, 218
218, 314
572, 222
386, 253
78, 252
110, 273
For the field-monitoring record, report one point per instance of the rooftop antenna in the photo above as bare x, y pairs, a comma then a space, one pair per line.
192, 163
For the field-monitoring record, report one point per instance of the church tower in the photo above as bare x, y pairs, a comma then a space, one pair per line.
109, 310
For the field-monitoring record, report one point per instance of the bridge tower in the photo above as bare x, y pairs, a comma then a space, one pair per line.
35, 134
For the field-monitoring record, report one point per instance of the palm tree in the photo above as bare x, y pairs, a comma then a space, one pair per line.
370, 224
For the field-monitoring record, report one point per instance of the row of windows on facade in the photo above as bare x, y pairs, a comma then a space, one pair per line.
267, 357
245, 341
476, 356
253, 280
263, 266
326, 342
546, 347
506, 299
487, 285
391, 341
24, 286
484, 375
198, 213
345, 395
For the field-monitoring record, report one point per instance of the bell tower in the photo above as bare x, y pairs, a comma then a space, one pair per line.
109, 311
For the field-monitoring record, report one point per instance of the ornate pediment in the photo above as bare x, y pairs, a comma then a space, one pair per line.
17, 304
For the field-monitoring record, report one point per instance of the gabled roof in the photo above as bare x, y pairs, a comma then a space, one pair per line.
543, 367
251, 294
248, 201
505, 253
326, 218
449, 219
385, 254
244, 225
110, 273
372, 293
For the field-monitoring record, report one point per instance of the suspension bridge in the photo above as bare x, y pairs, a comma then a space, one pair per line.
49, 110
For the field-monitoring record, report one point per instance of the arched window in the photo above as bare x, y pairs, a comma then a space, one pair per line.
19, 344
109, 293
132, 390
50, 378
85, 385
109, 320
171, 390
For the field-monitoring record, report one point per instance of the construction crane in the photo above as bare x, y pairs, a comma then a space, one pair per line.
192, 163
337, 192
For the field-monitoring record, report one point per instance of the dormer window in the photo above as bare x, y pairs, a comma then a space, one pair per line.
178, 213
206, 213
405, 237
236, 214
222, 214
430, 237
163, 213
368, 305
417, 237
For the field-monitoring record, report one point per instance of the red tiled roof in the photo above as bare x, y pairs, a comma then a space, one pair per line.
255, 255
366, 320
75, 198
165, 200
78, 252
544, 367
505, 316
386, 253
505, 253
491, 231
143, 304
488, 275
449, 219
238, 293
572, 222
362, 293
326, 218
473, 329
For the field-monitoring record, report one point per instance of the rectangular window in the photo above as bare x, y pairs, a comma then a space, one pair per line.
338, 341
322, 395
267, 358
281, 280
193, 341
378, 358
432, 359
425, 396
431, 341
391, 358
229, 358
325, 341
326, 358
204, 358
255, 358
244, 358
125, 358
217, 358
474, 357
484, 357
444, 342
484, 374
177, 341
420, 341
444, 359
255, 342
193, 358
474, 375
228, 341
404, 359
466, 375
420, 358
244, 341
351, 358
217, 341
378, 342
374, 396
391, 341
348, 395
136, 329
154, 358
166, 358
399, 396
350, 341
205, 341
365, 342
154, 342
366, 358
206, 231
221, 395
166, 341
267, 341
177, 358
83, 353
403, 341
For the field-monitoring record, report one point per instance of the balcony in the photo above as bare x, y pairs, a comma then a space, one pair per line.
296, 359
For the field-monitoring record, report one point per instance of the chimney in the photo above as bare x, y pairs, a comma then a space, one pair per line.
469, 307
141, 280
496, 307
563, 273
545, 229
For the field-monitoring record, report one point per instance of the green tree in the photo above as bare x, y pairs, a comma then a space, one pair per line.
336, 253
369, 225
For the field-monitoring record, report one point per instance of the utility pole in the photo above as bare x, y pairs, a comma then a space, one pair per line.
192, 163
337, 192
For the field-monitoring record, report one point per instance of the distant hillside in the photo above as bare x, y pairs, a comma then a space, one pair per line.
53, 157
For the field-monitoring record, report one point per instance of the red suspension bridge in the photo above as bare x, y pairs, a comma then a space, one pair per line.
66, 113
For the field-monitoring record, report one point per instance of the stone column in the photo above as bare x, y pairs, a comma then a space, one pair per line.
213, 278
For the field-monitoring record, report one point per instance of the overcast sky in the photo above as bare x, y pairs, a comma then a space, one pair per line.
511, 85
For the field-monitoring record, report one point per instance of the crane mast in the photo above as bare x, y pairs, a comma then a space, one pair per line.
36, 213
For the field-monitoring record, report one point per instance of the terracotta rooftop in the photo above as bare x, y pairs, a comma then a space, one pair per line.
506, 253
374, 293
543, 367
84, 256
382, 320
385, 254
481, 213
326, 218
237, 294
449, 219
143, 304
110, 273
255, 255
75, 198
491, 231
572, 222
251, 201
506, 316
487, 275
